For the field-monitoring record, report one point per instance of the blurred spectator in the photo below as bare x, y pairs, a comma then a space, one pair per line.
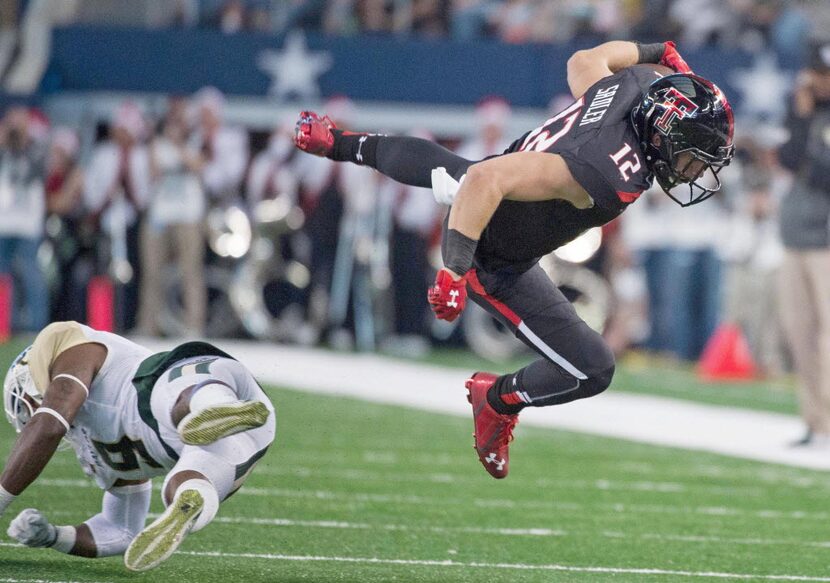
514, 21
231, 17
174, 222
470, 19
22, 215
374, 15
702, 21
305, 14
628, 321
9, 13
339, 18
650, 22
430, 17
271, 173
752, 252
492, 116
675, 247
116, 192
774, 24
175, 13
259, 18
646, 232
329, 191
416, 226
693, 274
72, 239
805, 215
224, 148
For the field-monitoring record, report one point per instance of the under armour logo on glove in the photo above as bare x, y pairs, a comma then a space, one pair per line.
452, 303
447, 296
672, 59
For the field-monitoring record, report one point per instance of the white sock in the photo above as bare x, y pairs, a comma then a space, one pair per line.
209, 495
211, 395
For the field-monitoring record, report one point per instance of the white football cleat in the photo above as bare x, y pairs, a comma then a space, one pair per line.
210, 424
158, 541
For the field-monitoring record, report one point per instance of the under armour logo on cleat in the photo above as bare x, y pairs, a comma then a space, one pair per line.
452, 303
491, 459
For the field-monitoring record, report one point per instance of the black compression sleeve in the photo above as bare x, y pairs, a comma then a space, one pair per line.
402, 158
651, 53
460, 251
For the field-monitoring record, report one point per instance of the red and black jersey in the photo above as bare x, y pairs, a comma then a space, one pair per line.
595, 137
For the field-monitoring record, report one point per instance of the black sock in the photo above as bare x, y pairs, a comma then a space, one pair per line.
499, 396
357, 148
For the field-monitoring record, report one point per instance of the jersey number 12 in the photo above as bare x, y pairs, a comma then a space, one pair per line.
626, 166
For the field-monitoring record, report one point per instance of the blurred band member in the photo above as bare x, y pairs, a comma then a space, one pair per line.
492, 116
65, 226
224, 148
22, 209
174, 223
116, 191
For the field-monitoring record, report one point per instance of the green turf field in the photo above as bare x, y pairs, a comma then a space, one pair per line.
361, 492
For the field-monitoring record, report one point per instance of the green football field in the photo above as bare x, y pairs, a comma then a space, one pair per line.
356, 491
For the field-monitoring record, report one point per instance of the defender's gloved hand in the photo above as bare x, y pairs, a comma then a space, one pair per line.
672, 59
447, 296
32, 529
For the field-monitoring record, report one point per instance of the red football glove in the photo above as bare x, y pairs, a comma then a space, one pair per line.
672, 59
447, 297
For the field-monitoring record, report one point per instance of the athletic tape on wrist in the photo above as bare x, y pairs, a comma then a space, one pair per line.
65, 541
6, 498
460, 251
650, 53
53, 413
64, 375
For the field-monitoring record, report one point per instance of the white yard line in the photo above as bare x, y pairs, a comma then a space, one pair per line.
359, 475
500, 503
508, 566
474, 565
10, 580
742, 433
529, 532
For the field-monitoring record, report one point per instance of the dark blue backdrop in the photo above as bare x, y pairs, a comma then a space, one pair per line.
364, 68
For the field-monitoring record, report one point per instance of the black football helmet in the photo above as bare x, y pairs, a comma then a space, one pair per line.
685, 113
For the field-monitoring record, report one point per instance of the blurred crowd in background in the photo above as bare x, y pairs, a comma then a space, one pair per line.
209, 228
751, 24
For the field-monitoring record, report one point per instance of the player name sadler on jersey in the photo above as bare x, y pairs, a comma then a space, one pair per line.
601, 148
599, 105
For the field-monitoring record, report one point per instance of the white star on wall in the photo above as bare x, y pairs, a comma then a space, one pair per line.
294, 70
764, 88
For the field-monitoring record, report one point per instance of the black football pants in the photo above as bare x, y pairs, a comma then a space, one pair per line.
576, 361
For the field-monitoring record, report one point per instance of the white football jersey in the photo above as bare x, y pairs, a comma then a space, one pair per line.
112, 434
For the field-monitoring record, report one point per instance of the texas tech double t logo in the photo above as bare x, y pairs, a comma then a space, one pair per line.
676, 106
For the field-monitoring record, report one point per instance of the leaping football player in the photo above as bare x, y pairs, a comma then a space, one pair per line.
639, 113
193, 414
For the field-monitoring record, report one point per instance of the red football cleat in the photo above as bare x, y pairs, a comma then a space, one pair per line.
493, 431
313, 133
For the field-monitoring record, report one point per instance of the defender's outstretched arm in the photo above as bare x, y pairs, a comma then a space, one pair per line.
40, 437
108, 533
